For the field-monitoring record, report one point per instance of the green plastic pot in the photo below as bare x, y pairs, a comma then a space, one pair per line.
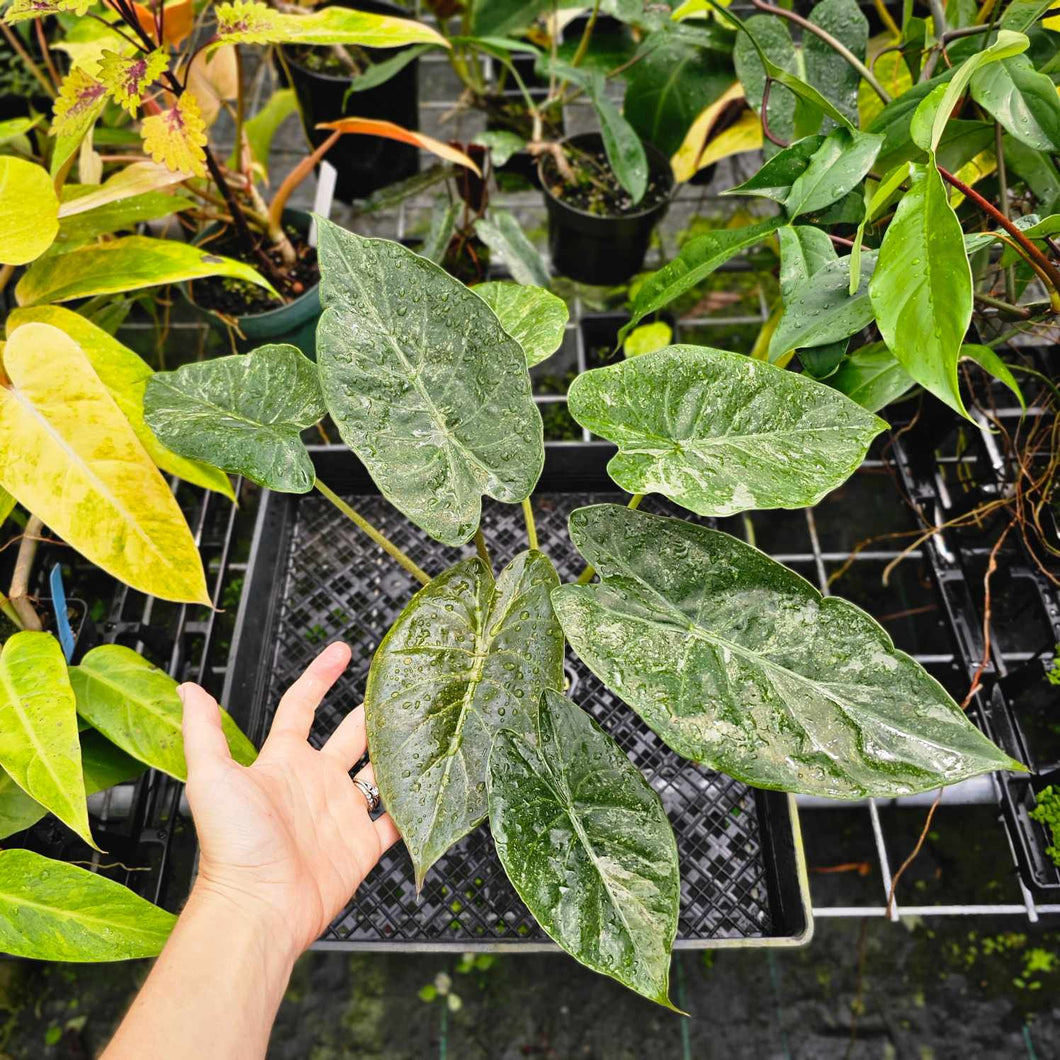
294, 323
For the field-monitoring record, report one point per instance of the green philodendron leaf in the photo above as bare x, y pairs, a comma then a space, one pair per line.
128, 264
136, 706
821, 310
492, 17
775, 178
740, 664
838, 166
534, 317
467, 656
1020, 15
819, 362
53, 911
263, 126
1036, 169
773, 37
378, 73
804, 251
39, 748
826, 69
989, 361
409, 358
502, 144
102, 764
502, 234
121, 216
587, 845
921, 290
647, 338
697, 259
720, 432
243, 413
872, 377
1022, 100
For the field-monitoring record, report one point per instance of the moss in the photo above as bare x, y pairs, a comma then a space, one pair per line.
1047, 812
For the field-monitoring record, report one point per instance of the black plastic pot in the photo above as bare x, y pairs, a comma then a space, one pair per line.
603, 250
364, 163
294, 323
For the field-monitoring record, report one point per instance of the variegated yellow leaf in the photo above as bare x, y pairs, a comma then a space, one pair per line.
29, 211
745, 134
129, 77
177, 137
68, 455
685, 160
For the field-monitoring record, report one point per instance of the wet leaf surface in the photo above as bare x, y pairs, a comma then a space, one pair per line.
534, 317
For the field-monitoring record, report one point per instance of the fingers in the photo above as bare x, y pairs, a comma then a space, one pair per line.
294, 715
347, 743
204, 739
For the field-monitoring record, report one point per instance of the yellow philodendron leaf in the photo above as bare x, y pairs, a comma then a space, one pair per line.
128, 77
177, 137
68, 455
125, 375
745, 134
972, 171
29, 211
685, 160
891, 71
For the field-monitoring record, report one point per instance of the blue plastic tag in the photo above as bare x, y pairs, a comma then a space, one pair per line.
62, 620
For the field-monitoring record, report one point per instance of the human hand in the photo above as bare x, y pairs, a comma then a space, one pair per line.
288, 839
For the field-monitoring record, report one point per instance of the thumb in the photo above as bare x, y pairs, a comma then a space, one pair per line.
204, 739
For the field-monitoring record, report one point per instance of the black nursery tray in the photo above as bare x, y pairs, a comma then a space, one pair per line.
314, 577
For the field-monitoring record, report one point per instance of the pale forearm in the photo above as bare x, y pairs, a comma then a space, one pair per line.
214, 990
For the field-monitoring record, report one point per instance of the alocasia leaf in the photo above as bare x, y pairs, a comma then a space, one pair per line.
176, 138
837, 166
466, 657
826, 69
696, 260
534, 317
720, 432
136, 706
872, 377
1023, 100
502, 234
127, 264
103, 765
29, 211
740, 664
423, 384
921, 290
69, 456
243, 413
125, 375
128, 77
39, 748
587, 845
53, 911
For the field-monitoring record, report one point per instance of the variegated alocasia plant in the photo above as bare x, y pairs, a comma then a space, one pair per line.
734, 660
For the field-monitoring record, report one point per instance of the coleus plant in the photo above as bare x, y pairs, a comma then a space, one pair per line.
735, 661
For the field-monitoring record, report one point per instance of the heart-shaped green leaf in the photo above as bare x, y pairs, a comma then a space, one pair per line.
738, 663
39, 749
136, 706
243, 413
587, 845
719, 432
52, 911
423, 384
467, 656
534, 317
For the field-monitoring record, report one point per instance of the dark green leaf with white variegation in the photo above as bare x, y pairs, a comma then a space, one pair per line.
719, 432
740, 664
502, 234
466, 657
534, 317
587, 845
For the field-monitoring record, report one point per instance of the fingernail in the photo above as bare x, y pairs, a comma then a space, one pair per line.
180, 693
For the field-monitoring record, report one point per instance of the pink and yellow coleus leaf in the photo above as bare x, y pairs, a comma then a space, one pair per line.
20, 10
81, 99
248, 22
176, 138
129, 77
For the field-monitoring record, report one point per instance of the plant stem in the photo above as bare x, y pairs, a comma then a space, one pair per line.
583, 44
531, 526
481, 549
20, 51
1003, 307
46, 55
18, 594
1002, 187
831, 41
1043, 265
292, 180
380, 539
586, 575
886, 18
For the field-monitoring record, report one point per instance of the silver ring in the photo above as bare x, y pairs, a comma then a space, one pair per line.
370, 793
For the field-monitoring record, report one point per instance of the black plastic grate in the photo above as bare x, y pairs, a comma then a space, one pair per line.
340, 586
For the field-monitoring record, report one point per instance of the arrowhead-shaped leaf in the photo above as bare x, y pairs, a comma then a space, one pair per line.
588, 847
534, 317
125, 375
136, 706
69, 456
39, 748
243, 413
738, 663
466, 657
720, 432
423, 384
53, 911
